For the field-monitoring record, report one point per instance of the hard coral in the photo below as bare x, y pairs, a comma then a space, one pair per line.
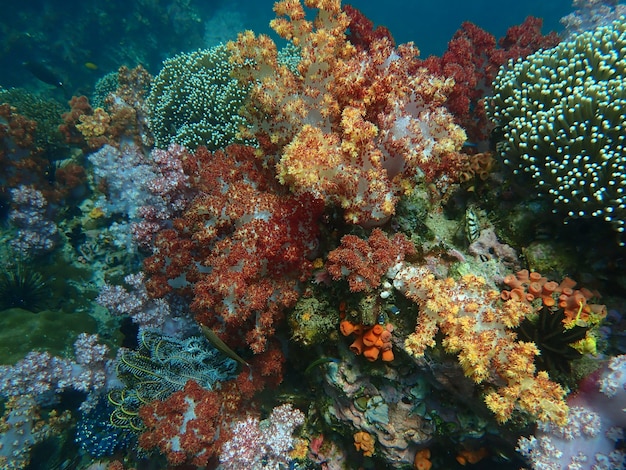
571, 150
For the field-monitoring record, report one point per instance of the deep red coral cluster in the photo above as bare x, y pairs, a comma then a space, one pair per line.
473, 59
239, 248
362, 33
364, 262
185, 427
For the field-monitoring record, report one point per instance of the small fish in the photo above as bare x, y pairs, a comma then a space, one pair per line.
472, 226
221, 345
91, 66
321, 360
43, 73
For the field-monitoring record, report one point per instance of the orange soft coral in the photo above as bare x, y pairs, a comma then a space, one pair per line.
528, 286
373, 342
350, 125
364, 442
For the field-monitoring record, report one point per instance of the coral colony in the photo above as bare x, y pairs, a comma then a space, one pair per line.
332, 255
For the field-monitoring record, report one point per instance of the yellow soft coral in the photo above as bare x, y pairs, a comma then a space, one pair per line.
350, 125
478, 329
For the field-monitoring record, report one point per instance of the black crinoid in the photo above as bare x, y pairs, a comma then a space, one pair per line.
22, 287
553, 339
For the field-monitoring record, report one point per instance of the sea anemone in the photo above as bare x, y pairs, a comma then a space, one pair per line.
21, 287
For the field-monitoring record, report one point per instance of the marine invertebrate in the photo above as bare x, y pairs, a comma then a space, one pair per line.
97, 436
555, 341
46, 113
40, 372
161, 366
528, 286
185, 426
22, 287
351, 125
561, 113
364, 262
194, 101
422, 460
36, 233
480, 332
472, 60
265, 444
592, 436
372, 341
243, 244
364, 442
146, 313
22, 427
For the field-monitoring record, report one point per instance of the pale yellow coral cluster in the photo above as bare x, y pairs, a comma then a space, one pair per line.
477, 327
350, 125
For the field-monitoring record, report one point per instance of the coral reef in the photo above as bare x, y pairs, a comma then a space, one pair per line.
161, 366
560, 113
472, 60
262, 444
347, 264
371, 342
242, 245
364, 262
42, 375
36, 233
22, 427
594, 426
480, 332
590, 14
183, 426
194, 101
351, 126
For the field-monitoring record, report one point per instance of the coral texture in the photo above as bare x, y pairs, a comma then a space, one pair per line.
562, 114
239, 248
350, 125
479, 331
194, 101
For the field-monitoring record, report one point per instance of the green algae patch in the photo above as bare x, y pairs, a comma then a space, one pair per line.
22, 331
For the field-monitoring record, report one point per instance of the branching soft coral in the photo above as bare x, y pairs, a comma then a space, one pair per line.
351, 124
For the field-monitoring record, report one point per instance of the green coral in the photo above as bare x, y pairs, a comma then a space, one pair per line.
194, 101
313, 321
103, 88
561, 113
